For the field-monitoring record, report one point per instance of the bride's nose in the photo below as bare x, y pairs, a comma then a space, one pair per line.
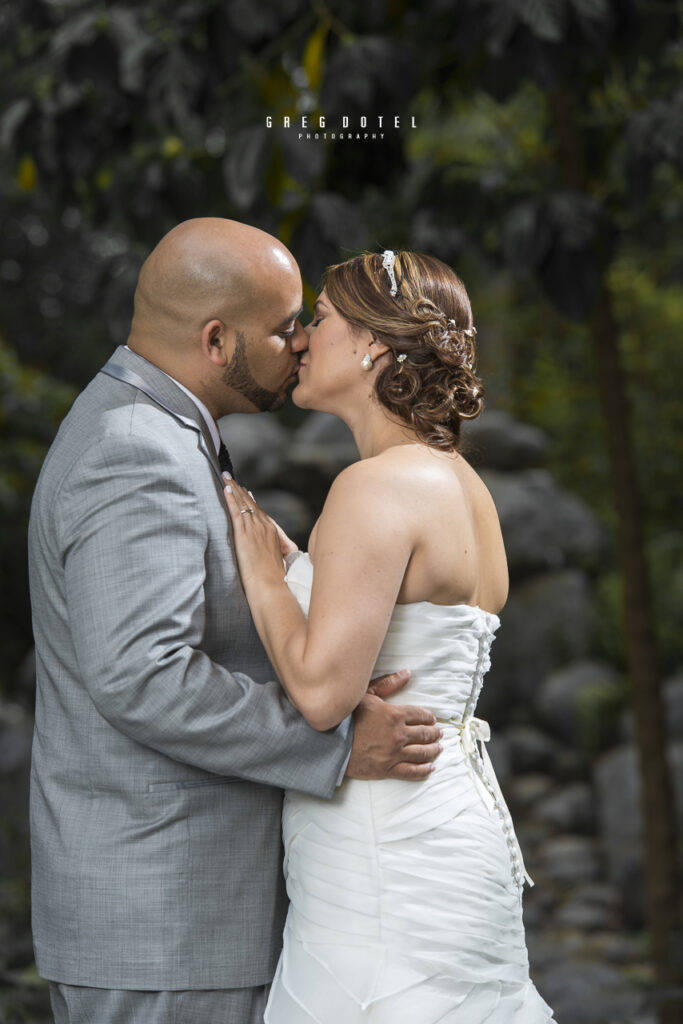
299, 340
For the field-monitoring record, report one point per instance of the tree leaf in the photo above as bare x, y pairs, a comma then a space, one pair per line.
313, 55
80, 30
526, 235
545, 18
134, 46
245, 163
12, 119
593, 10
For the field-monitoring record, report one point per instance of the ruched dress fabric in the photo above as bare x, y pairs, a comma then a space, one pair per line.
405, 897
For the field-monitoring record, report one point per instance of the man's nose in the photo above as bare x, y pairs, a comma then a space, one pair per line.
299, 340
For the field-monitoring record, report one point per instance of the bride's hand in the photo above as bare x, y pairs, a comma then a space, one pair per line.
287, 545
260, 544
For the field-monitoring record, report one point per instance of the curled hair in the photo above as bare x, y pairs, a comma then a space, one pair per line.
429, 321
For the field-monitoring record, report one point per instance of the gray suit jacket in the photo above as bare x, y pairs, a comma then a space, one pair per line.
162, 740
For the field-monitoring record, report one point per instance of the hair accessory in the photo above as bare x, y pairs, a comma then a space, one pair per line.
470, 332
475, 391
388, 260
452, 323
401, 360
366, 362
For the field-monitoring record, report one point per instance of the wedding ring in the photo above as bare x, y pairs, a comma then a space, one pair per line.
246, 511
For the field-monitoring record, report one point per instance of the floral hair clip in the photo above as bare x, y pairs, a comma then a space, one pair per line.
388, 260
401, 360
470, 332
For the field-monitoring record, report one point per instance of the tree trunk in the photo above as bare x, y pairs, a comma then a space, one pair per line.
662, 893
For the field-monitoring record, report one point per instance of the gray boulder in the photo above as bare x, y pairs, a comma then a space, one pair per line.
530, 749
580, 702
672, 693
569, 808
593, 906
497, 441
673, 698
290, 512
543, 526
325, 442
590, 993
16, 732
526, 789
569, 859
546, 623
499, 753
257, 445
620, 828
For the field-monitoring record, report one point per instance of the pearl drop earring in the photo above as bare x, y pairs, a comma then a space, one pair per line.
366, 362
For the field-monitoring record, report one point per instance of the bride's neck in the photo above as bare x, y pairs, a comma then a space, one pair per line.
374, 431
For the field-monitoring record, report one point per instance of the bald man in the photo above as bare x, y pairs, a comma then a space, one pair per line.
162, 740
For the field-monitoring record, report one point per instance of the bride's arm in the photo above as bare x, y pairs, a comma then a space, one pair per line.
362, 548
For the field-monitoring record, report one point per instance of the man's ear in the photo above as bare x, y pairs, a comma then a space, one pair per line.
217, 342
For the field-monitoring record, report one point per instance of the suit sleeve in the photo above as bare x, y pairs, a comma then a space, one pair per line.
134, 542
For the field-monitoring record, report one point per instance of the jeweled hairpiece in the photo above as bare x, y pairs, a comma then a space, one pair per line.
388, 260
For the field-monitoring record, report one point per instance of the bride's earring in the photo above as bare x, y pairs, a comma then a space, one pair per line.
366, 362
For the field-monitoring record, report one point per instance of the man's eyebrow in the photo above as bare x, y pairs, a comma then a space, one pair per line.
292, 316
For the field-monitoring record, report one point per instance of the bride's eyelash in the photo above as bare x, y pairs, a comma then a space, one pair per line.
315, 323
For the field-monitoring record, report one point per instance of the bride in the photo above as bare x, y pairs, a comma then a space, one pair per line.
405, 898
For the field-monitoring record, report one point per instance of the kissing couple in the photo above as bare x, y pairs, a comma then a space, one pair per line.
193, 666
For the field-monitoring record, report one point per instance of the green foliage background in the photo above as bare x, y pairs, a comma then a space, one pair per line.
117, 120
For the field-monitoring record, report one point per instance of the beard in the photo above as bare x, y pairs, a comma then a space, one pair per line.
239, 377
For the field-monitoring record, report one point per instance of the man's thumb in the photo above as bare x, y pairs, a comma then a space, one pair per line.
385, 686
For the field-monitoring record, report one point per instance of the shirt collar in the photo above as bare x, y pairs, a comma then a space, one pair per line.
206, 415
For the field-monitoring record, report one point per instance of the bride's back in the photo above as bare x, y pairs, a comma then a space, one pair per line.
459, 557
451, 524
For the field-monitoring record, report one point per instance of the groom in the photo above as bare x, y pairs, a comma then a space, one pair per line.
162, 742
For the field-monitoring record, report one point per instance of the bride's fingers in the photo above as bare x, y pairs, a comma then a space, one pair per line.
245, 499
233, 507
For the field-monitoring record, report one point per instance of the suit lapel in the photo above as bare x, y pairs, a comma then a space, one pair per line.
146, 377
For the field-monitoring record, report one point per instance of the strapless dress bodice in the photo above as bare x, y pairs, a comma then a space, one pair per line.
446, 647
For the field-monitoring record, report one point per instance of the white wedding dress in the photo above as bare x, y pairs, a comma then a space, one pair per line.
405, 897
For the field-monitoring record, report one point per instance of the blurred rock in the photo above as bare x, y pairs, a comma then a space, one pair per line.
594, 906
496, 441
530, 749
672, 693
500, 757
16, 732
25, 680
543, 526
546, 623
257, 444
588, 993
569, 859
325, 442
526, 789
569, 808
673, 697
617, 787
579, 703
290, 512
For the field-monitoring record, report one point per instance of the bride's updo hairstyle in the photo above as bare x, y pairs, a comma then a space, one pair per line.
430, 382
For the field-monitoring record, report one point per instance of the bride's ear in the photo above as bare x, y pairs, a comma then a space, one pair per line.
378, 348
